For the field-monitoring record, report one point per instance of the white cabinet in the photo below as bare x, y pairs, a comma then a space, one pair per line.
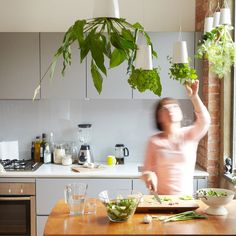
198, 182
49, 191
115, 85
163, 44
73, 84
19, 65
41, 221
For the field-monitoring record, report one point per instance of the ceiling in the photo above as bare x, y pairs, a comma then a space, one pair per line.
58, 15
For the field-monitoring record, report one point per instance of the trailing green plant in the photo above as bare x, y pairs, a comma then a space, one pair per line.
218, 48
181, 72
111, 38
146, 79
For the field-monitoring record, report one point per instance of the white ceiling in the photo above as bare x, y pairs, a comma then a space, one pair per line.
58, 15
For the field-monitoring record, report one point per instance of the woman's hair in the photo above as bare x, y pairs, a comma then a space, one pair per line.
159, 106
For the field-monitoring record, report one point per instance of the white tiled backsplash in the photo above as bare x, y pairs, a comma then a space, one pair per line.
113, 121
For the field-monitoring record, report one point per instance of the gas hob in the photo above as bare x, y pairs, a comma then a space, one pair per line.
19, 165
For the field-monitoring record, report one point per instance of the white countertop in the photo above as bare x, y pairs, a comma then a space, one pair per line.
128, 170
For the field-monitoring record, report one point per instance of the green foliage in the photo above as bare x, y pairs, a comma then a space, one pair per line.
218, 47
182, 72
111, 38
146, 80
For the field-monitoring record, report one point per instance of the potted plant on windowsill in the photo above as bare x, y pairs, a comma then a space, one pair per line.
105, 37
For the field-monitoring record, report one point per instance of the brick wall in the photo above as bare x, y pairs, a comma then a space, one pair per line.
208, 155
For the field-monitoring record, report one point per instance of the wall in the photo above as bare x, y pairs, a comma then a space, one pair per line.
58, 15
114, 121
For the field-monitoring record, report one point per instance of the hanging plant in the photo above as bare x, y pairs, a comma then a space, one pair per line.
143, 80
103, 37
181, 72
218, 48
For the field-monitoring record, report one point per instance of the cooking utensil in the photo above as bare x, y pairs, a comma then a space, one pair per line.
156, 197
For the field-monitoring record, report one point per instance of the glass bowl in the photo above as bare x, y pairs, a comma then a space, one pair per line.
120, 204
216, 199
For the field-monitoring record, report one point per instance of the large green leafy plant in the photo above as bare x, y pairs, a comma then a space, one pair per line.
218, 48
111, 38
181, 72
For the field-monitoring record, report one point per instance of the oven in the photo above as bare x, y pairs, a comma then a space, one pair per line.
17, 204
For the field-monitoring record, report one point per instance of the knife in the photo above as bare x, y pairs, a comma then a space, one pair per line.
156, 196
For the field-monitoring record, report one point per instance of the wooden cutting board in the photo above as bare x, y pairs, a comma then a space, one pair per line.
169, 204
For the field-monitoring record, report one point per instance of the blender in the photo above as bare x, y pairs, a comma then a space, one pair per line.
85, 155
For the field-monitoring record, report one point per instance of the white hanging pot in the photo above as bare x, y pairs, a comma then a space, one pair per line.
180, 52
216, 19
144, 57
225, 18
106, 8
208, 24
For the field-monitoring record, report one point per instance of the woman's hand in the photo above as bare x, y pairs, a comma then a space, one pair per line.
150, 179
192, 88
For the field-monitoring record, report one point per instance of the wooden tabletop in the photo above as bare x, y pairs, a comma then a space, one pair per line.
61, 223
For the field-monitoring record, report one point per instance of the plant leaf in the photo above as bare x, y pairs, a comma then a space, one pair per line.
97, 77
117, 57
78, 30
126, 33
138, 26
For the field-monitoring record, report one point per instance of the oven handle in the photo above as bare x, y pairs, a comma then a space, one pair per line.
14, 198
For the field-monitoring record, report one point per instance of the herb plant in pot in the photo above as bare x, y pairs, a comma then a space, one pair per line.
108, 38
180, 69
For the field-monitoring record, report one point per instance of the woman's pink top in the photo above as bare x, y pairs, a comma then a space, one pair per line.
174, 161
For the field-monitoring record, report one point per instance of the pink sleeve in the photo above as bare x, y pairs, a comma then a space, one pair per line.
149, 156
200, 126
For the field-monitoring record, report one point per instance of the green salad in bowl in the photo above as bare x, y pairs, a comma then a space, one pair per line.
120, 204
216, 199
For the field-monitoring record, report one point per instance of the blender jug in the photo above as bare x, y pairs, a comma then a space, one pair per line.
120, 152
85, 154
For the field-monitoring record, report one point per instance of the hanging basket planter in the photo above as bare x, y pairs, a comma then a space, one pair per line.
216, 19
225, 16
208, 24
108, 8
180, 52
143, 58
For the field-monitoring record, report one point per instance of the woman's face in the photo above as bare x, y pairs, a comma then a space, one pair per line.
170, 113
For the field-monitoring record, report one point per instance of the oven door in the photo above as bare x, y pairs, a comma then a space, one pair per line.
17, 215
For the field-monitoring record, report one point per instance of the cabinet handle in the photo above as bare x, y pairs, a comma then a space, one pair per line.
9, 190
21, 191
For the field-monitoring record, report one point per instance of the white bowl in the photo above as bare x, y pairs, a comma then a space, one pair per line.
215, 198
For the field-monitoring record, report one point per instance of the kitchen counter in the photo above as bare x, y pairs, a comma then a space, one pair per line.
61, 223
128, 170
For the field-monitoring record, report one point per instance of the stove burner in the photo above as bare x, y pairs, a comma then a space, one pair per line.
20, 165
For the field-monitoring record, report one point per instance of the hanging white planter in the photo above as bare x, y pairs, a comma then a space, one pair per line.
225, 18
144, 57
180, 52
216, 19
106, 8
208, 24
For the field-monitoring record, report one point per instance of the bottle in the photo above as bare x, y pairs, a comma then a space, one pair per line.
47, 154
51, 145
42, 146
37, 149
32, 151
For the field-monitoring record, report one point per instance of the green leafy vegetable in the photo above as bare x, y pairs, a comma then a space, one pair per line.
187, 197
143, 80
187, 215
211, 192
182, 72
121, 209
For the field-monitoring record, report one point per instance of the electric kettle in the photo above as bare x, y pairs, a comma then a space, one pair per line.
120, 153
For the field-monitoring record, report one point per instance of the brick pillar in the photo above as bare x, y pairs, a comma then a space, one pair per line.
208, 155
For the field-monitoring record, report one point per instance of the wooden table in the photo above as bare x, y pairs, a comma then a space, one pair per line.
61, 223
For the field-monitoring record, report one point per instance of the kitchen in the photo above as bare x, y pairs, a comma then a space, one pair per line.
118, 115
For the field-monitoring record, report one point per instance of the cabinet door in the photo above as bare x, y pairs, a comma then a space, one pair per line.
19, 65
73, 84
139, 185
49, 191
41, 221
163, 44
115, 85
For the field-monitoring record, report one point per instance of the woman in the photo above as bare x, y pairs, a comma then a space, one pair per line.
171, 154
